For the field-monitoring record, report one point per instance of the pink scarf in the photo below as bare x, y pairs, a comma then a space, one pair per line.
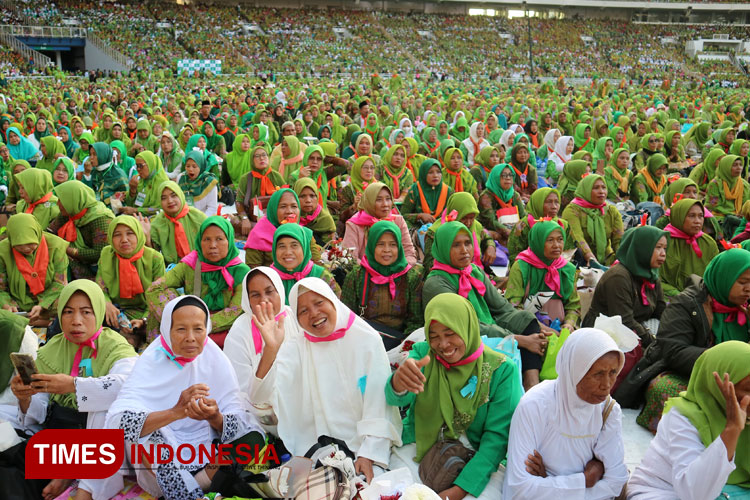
362, 218
691, 240
180, 361
79, 353
587, 204
646, 284
261, 236
465, 280
379, 279
257, 337
734, 313
191, 260
306, 219
337, 334
464, 361
552, 277
294, 276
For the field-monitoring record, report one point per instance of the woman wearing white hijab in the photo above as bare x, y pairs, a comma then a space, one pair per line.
472, 145
562, 153
561, 445
245, 346
406, 127
329, 379
182, 390
506, 140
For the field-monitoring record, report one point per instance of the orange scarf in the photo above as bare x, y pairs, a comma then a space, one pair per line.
130, 280
33, 205
284, 162
522, 176
459, 187
68, 231
409, 166
502, 203
266, 185
735, 194
652, 185
396, 178
477, 146
622, 180
441, 201
34, 276
432, 150
180, 238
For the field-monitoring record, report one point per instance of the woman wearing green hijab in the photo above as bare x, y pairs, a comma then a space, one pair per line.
651, 183
174, 229
51, 149
674, 151
127, 267
453, 271
618, 176
34, 266
502, 205
582, 138
695, 139
631, 288
487, 158
171, 155
604, 150
435, 404
144, 197
455, 175
541, 269
727, 192
596, 226
107, 180
199, 184
35, 190
313, 215
290, 159
362, 175
240, 160
83, 223
573, 171
706, 423
427, 197
292, 258
706, 171
430, 145
222, 272
543, 204
121, 160
81, 372
85, 141
64, 170
741, 148
144, 140
214, 142
706, 313
313, 167
393, 172
384, 288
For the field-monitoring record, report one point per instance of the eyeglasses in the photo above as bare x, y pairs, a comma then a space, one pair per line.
506, 176
257, 157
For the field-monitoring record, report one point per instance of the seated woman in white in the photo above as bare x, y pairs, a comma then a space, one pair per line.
250, 355
702, 445
565, 440
328, 380
182, 390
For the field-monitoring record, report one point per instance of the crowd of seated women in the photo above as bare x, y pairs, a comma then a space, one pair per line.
361, 287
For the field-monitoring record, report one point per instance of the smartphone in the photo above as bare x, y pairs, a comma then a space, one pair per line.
25, 365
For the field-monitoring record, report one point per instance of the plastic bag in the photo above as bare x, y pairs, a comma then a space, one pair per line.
507, 346
625, 338
548, 371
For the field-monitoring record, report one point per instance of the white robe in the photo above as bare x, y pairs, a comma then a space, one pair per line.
678, 466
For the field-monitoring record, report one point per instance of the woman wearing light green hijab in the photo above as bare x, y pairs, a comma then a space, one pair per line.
595, 225
35, 190
52, 149
144, 140
86, 140
291, 158
728, 191
33, 265
440, 406
573, 172
707, 423
175, 227
126, 270
651, 183
144, 197
706, 171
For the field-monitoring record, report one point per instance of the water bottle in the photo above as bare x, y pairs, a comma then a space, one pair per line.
124, 321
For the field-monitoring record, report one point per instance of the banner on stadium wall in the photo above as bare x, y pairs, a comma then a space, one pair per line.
193, 65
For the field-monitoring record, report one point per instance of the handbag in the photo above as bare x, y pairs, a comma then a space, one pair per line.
60, 417
734, 492
544, 302
442, 464
630, 392
324, 483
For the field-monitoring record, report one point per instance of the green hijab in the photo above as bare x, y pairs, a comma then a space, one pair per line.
493, 183
537, 199
38, 183
719, 277
572, 173
214, 139
304, 237
214, 279
191, 223
705, 406
709, 163
376, 232
535, 276
240, 162
431, 193
323, 222
69, 166
441, 251
202, 185
580, 141
442, 408
698, 134
601, 144
13, 327
57, 355
355, 179
150, 185
75, 196
319, 177
54, 146
272, 210
677, 188
637, 247
596, 227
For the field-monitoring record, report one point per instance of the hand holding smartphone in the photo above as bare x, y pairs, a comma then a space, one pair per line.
25, 366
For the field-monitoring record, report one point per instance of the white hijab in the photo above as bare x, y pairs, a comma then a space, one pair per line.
560, 156
574, 416
156, 382
408, 131
335, 388
505, 139
456, 116
548, 138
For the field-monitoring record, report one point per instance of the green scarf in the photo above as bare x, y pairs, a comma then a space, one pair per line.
38, 183
720, 275
580, 141
215, 279
53, 146
698, 134
164, 228
534, 276
705, 406
304, 237
535, 205
596, 227
637, 248
441, 250
57, 355
442, 406
150, 185
272, 210
13, 327
75, 196
601, 144
571, 176
320, 178
202, 185
464, 204
493, 183
211, 140
376, 232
